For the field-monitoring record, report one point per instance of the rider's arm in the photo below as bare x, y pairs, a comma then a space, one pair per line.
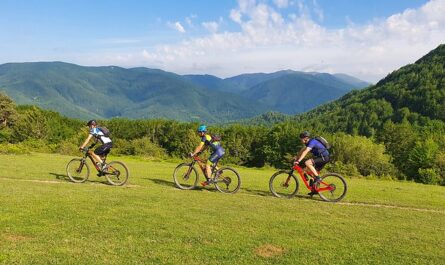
197, 149
303, 154
86, 141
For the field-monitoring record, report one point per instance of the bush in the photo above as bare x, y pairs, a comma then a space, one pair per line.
429, 176
368, 157
144, 147
15, 149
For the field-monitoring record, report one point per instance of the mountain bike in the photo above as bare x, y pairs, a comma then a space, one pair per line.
78, 170
225, 179
284, 184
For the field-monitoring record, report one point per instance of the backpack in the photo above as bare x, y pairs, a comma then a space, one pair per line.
105, 131
215, 138
323, 142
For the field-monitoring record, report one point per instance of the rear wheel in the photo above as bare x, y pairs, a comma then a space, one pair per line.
185, 176
78, 170
116, 173
227, 180
283, 184
332, 187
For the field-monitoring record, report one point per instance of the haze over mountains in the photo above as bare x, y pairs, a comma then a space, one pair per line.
110, 91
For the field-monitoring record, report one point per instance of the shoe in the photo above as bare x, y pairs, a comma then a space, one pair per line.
204, 183
312, 193
100, 174
207, 182
315, 181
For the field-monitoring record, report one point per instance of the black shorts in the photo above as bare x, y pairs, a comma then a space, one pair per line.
104, 149
320, 162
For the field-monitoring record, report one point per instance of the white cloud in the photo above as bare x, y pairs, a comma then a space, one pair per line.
281, 3
211, 26
177, 26
268, 42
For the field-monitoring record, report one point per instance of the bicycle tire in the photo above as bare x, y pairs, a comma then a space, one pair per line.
335, 181
279, 180
72, 170
116, 173
183, 173
225, 177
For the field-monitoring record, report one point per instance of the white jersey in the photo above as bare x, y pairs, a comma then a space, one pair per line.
100, 135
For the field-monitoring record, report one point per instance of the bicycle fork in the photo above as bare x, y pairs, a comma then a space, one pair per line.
286, 183
82, 163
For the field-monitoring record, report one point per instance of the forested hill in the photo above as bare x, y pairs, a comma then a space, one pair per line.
107, 92
414, 93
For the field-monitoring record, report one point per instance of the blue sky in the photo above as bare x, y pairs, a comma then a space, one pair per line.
367, 39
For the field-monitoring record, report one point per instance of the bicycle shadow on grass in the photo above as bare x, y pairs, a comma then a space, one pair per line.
173, 185
256, 192
60, 176
66, 178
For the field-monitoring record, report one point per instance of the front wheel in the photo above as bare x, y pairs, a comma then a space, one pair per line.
227, 180
332, 187
78, 170
283, 184
116, 173
185, 176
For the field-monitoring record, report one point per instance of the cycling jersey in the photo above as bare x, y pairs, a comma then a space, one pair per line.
98, 134
207, 140
217, 149
317, 148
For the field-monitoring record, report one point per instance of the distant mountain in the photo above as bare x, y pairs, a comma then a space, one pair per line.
297, 92
355, 82
106, 92
212, 83
244, 82
110, 91
286, 91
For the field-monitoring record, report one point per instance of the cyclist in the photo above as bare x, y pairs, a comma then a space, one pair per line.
320, 156
102, 150
217, 151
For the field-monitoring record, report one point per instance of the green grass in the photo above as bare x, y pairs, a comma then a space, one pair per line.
45, 219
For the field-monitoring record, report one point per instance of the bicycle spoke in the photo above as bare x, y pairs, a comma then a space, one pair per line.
227, 180
283, 185
185, 176
332, 188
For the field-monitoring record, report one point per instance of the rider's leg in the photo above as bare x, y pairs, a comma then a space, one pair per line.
310, 164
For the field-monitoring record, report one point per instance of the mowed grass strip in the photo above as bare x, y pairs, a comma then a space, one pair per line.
46, 219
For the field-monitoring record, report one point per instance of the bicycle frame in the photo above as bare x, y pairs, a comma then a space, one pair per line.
202, 166
87, 153
302, 173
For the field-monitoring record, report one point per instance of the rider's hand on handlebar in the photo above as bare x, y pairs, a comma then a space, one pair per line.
191, 155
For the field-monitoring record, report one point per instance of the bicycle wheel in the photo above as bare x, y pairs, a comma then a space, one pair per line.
332, 187
282, 184
78, 170
227, 180
185, 176
116, 173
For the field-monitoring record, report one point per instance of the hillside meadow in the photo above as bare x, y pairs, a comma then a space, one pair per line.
45, 219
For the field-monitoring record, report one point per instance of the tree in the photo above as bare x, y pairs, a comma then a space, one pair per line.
8, 112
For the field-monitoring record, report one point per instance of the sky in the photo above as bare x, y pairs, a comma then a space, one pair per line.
362, 38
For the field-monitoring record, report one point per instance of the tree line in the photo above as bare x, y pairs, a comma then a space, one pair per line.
396, 148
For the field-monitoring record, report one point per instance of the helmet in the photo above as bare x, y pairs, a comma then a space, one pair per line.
305, 134
91, 122
202, 128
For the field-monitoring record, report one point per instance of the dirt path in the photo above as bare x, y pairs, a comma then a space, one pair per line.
358, 204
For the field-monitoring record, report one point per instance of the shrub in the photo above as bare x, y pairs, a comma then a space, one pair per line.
428, 176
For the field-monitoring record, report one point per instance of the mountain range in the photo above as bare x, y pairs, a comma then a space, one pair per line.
111, 91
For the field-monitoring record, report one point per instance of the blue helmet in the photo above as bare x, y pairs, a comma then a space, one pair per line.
202, 128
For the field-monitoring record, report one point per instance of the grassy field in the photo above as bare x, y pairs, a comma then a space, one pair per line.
45, 219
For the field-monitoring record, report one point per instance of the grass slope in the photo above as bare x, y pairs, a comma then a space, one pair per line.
46, 219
